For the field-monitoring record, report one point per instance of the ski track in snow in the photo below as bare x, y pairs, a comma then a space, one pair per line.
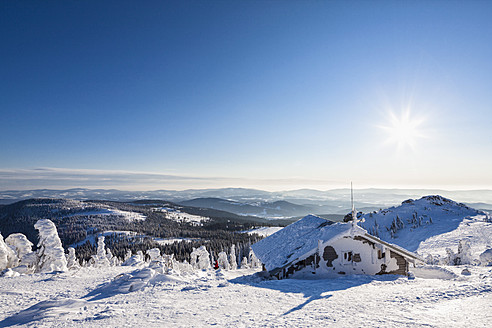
97, 298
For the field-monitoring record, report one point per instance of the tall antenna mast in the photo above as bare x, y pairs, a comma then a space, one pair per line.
352, 196
354, 214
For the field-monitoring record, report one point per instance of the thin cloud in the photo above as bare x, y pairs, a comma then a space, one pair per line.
48, 178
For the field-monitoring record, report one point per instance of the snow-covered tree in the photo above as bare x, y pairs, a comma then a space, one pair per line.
223, 261
200, 258
101, 257
50, 251
232, 257
72, 262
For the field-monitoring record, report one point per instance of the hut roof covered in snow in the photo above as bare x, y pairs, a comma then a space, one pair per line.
301, 237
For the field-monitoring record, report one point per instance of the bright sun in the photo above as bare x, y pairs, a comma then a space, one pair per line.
404, 130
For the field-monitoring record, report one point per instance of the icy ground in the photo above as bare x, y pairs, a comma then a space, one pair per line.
128, 297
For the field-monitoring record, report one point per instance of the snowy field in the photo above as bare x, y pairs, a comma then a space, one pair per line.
91, 297
178, 216
130, 216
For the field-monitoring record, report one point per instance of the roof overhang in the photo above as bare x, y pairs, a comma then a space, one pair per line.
395, 248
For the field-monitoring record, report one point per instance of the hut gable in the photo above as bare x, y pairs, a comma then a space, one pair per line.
314, 245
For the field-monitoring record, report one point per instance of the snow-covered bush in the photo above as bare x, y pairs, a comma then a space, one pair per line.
134, 260
449, 259
223, 261
486, 257
154, 254
22, 247
113, 260
8, 258
50, 253
72, 263
464, 255
165, 264
19, 244
182, 267
169, 261
244, 263
200, 258
431, 260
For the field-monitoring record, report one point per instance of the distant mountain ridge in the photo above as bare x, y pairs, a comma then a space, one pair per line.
336, 201
276, 209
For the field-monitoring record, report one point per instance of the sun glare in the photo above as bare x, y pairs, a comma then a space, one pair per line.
403, 130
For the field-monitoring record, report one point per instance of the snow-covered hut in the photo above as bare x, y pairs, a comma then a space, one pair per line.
317, 246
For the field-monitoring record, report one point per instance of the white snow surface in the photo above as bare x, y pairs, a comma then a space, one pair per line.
474, 230
127, 297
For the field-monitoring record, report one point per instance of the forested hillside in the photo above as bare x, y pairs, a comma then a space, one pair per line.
138, 225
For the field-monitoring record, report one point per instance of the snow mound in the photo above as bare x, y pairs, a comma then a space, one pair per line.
46, 309
135, 281
433, 272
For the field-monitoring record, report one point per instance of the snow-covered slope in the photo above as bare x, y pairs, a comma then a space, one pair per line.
122, 296
416, 223
264, 231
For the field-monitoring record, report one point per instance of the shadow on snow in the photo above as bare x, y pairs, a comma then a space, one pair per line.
312, 289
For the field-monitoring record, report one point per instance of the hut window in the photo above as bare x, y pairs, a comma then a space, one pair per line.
356, 257
347, 256
380, 254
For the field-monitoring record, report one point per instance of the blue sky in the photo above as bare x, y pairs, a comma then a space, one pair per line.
267, 94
